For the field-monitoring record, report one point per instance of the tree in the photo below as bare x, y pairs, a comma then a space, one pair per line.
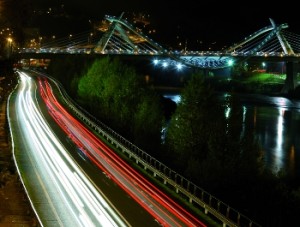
67, 69
208, 140
117, 95
94, 90
191, 132
148, 120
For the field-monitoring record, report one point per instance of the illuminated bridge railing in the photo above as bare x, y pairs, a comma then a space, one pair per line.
54, 50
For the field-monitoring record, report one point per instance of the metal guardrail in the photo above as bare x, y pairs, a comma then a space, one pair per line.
197, 197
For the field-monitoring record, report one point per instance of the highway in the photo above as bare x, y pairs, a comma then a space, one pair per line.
68, 196
72, 195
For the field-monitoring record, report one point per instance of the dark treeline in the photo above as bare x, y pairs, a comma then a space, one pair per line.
115, 94
206, 141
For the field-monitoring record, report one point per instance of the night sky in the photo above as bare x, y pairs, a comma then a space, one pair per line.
223, 23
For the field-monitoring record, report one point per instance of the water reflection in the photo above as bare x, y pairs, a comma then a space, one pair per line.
281, 142
278, 148
244, 121
292, 159
174, 98
276, 122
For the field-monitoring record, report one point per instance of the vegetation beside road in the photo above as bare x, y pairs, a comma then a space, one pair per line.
209, 154
198, 145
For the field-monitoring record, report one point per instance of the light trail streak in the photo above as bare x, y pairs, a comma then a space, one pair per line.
158, 204
86, 204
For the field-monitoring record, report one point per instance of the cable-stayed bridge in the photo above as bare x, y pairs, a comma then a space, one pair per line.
120, 37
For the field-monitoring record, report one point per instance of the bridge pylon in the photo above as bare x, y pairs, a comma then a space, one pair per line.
124, 38
283, 42
100, 47
291, 77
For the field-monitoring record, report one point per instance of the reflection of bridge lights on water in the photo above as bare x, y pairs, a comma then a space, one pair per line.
174, 98
278, 148
283, 102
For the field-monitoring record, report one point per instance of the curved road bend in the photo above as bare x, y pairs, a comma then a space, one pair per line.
164, 211
59, 191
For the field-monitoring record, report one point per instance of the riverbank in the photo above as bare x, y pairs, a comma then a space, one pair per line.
268, 84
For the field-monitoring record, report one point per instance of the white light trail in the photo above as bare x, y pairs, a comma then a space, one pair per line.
82, 199
160, 206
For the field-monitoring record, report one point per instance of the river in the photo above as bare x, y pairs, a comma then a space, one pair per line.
276, 121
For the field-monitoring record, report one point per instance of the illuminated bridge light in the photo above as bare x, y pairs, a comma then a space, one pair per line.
155, 62
230, 62
179, 66
165, 64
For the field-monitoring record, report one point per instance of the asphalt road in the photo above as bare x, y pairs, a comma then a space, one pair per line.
15, 208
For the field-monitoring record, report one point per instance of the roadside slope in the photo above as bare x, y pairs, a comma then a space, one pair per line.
15, 209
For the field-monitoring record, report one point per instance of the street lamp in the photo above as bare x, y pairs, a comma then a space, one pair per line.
264, 67
9, 40
90, 38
